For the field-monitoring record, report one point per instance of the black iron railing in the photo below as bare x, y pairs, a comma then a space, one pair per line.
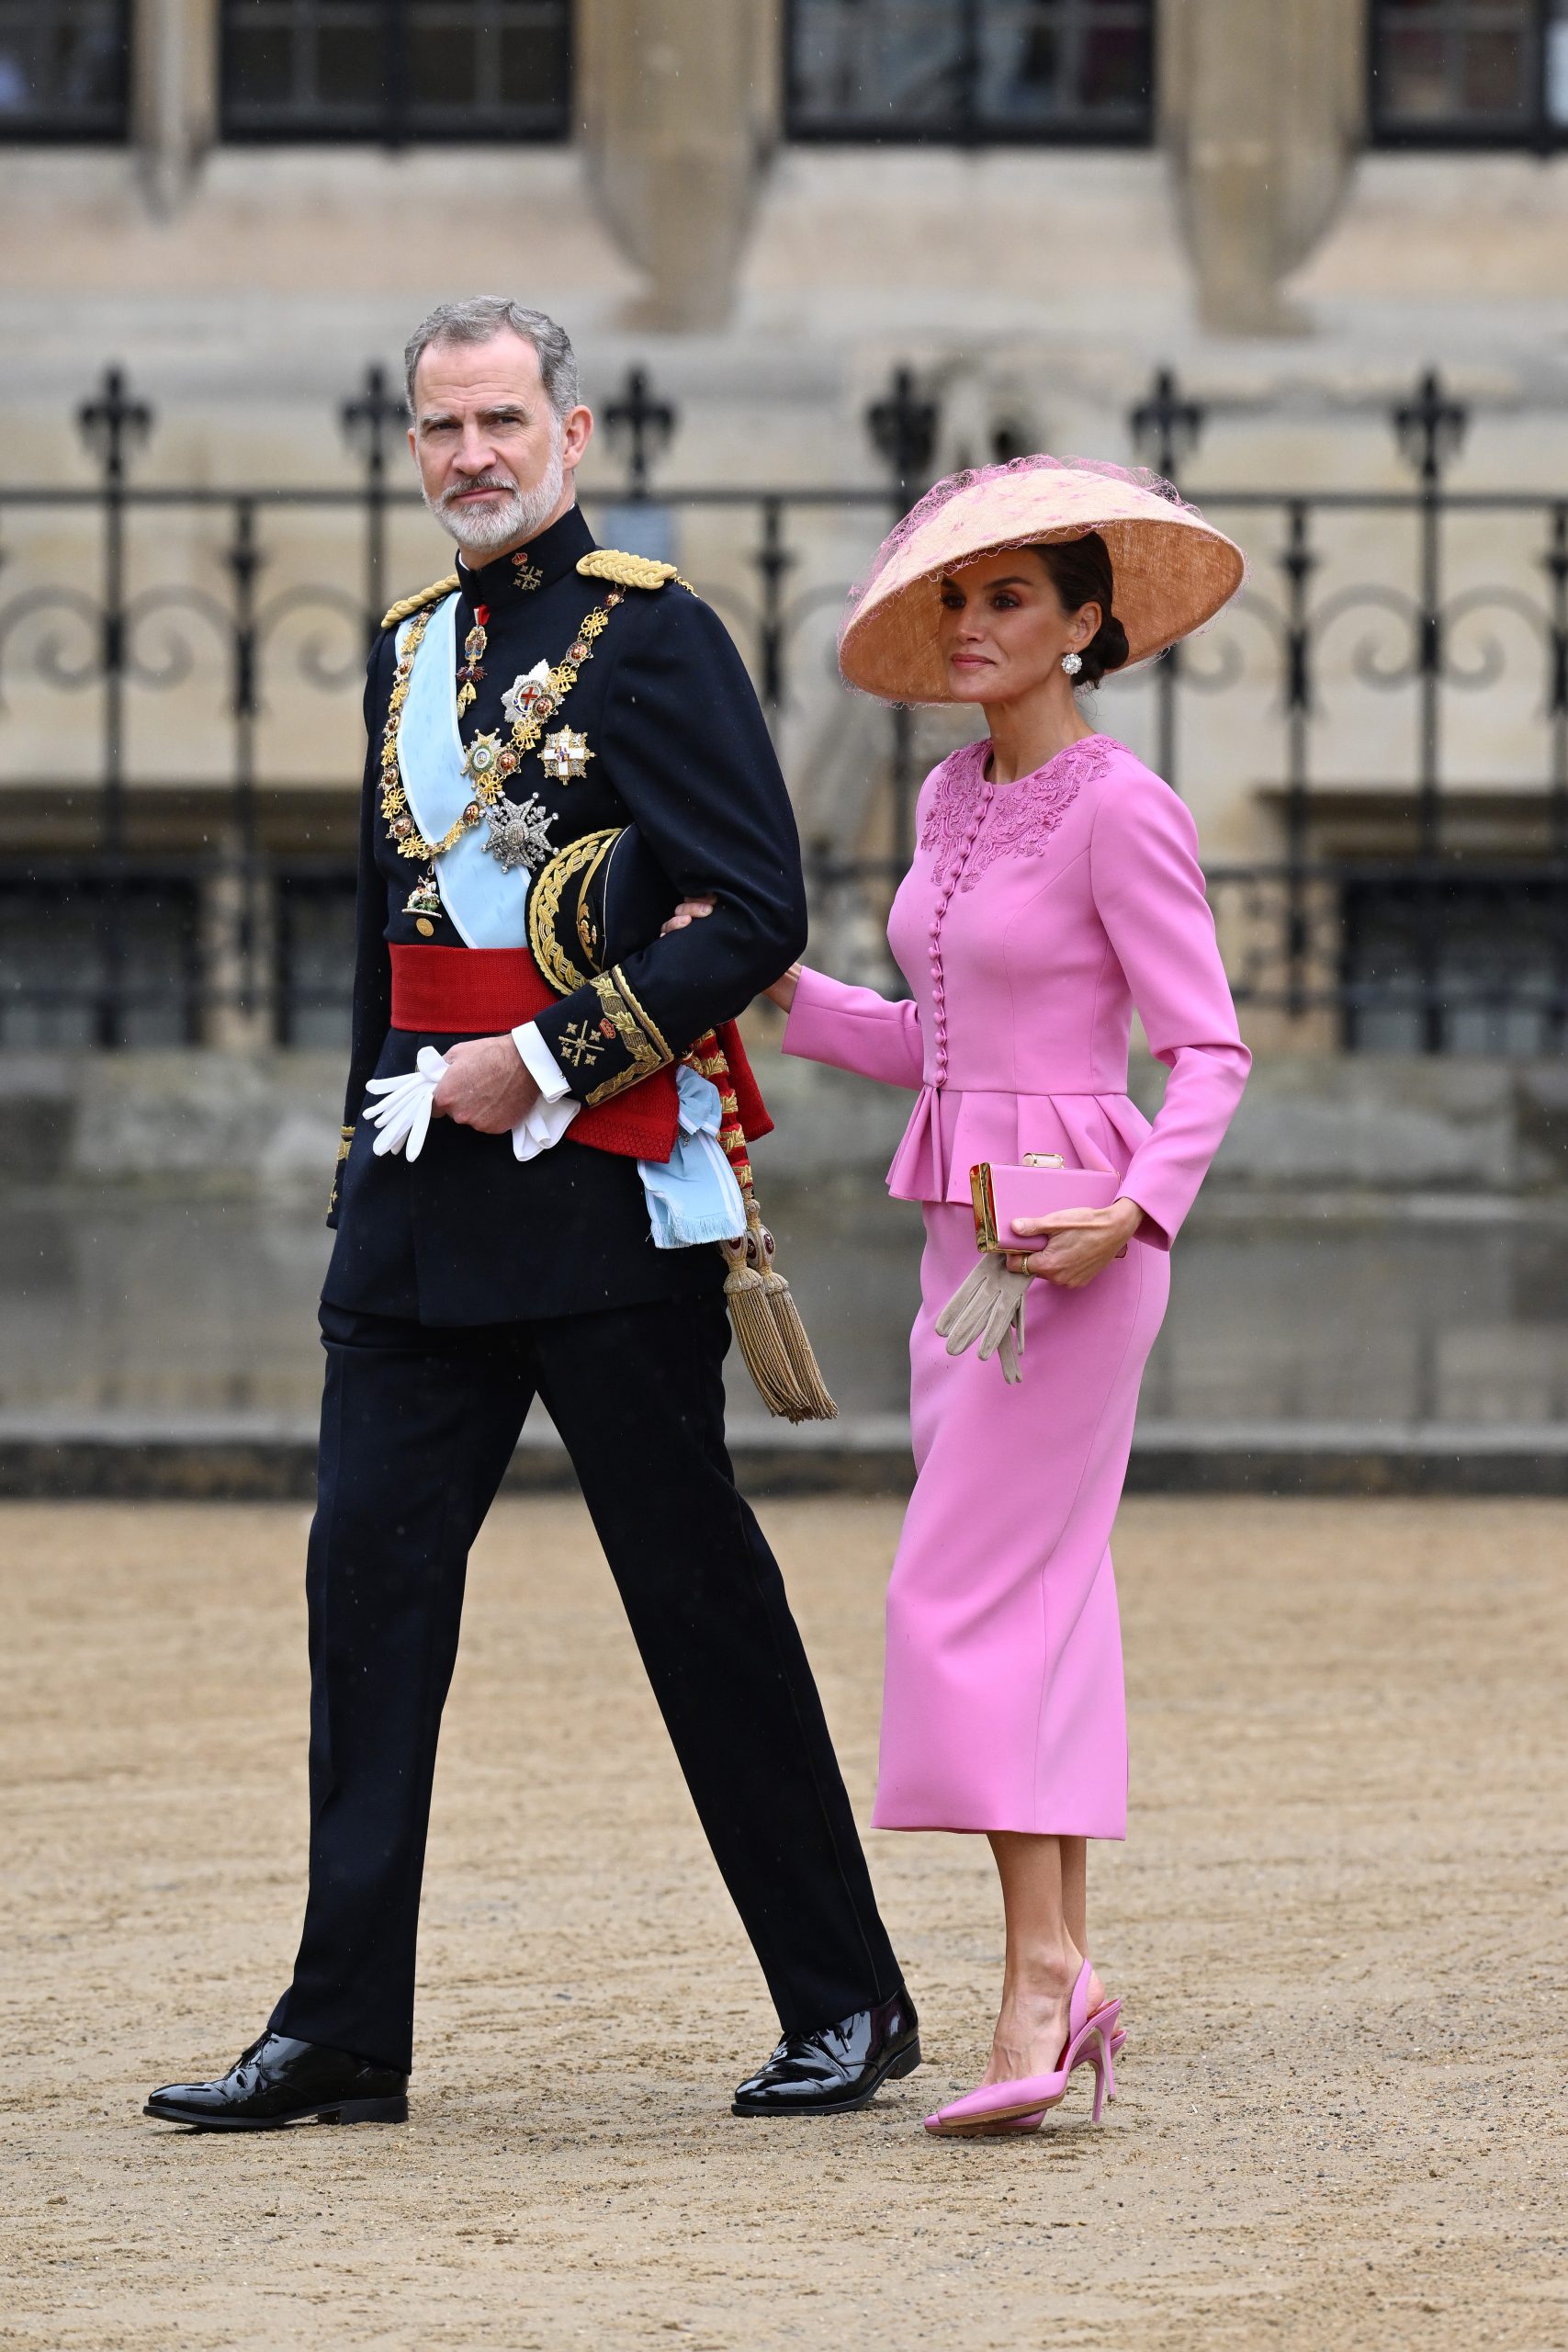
1375, 733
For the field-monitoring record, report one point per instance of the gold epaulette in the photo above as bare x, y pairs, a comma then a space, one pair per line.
407, 604
628, 570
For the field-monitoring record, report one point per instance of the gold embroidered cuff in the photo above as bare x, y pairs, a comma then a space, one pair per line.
637, 1030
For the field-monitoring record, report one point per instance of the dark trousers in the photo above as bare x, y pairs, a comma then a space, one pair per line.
417, 1428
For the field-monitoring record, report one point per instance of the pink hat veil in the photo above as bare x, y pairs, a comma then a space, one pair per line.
1173, 570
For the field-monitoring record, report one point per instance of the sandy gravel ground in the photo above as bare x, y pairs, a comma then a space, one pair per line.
1338, 1926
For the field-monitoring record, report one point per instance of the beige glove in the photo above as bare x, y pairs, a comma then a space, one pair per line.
987, 1306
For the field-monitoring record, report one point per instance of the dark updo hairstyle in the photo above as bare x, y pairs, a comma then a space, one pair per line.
1081, 574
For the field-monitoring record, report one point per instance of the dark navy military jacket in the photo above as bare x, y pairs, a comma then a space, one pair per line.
467, 1234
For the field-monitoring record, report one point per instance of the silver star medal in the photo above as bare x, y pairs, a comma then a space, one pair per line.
519, 832
524, 692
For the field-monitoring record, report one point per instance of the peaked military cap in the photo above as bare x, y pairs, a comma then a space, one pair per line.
598, 899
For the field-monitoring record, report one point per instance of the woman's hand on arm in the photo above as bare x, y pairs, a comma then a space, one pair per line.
689, 911
1080, 1243
692, 910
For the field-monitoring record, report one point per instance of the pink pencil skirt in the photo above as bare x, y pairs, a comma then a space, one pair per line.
1003, 1705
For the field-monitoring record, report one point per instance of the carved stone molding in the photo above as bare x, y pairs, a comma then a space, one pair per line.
174, 94
679, 104
1263, 105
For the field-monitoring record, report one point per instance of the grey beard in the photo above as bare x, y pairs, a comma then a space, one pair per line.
524, 514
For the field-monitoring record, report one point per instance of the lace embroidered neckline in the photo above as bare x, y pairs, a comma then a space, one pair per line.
971, 822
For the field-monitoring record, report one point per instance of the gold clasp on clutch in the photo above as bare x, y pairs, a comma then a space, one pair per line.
985, 1207
983, 1195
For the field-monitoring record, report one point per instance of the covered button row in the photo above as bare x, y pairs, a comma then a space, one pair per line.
939, 988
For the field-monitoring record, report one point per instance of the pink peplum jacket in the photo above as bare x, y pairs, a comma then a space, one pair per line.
1034, 920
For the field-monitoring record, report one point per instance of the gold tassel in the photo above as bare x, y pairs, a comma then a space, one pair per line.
755, 1329
767, 1322
767, 1327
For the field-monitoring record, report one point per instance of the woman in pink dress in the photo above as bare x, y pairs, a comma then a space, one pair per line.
1055, 890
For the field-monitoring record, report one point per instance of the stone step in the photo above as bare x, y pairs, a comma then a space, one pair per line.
248, 1458
268, 1121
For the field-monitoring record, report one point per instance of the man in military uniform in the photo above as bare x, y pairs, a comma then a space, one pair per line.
511, 1110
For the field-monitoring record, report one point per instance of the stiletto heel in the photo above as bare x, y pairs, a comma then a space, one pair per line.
1098, 2042
1100, 2062
1022, 2106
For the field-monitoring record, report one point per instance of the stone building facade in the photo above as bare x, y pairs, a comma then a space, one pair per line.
1296, 205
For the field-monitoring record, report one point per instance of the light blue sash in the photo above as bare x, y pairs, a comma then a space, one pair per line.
692, 1197
486, 904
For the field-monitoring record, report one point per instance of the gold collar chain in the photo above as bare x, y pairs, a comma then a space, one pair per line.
486, 764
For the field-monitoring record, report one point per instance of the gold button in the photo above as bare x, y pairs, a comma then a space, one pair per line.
425, 927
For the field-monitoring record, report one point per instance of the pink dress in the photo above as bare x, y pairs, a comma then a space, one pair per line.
1034, 919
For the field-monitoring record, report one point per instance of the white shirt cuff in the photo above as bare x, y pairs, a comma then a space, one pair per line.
541, 1063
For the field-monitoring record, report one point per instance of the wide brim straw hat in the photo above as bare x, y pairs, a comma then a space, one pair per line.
1173, 570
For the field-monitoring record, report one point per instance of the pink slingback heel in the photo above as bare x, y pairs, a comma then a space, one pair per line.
1032, 2122
1092, 2040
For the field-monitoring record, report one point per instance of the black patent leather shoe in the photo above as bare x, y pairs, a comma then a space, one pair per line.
279, 2081
839, 2068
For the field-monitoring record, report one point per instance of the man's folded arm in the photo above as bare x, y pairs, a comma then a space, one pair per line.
687, 749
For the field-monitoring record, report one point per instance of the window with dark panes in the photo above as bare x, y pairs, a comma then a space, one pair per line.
1494, 946
315, 957
396, 70
970, 70
63, 69
82, 966
1487, 73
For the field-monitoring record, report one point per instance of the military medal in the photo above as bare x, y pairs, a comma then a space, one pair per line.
481, 759
519, 832
524, 694
423, 902
565, 756
532, 700
472, 671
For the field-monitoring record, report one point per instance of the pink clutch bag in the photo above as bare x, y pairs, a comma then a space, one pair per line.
1038, 1188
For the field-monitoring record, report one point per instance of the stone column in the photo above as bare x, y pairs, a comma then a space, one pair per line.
679, 104
1262, 107
173, 93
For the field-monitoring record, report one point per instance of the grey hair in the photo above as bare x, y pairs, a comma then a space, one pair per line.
485, 316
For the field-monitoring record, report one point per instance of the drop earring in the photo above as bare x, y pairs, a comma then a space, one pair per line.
1072, 663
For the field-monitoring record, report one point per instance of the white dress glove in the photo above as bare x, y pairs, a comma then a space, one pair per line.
542, 1126
402, 1115
987, 1306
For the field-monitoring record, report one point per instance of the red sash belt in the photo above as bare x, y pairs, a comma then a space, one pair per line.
466, 992
482, 992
